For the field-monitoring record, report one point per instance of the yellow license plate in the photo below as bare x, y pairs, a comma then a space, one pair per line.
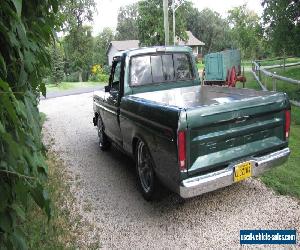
242, 171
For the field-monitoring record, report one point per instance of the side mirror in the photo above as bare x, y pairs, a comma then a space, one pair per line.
107, 88
116, 83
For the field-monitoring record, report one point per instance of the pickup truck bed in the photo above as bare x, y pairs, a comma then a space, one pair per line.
219, 120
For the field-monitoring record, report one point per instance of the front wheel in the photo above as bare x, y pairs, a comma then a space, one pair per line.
147, 181
104, 143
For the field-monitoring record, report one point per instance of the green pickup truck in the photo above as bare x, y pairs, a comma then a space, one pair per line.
192, 139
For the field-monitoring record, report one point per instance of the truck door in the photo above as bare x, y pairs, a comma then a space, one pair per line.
112, 103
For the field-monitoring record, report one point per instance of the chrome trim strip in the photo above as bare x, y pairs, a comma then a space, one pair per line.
105, 108
209, 182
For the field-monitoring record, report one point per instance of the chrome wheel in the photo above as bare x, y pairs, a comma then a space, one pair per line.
144, 167
100, 132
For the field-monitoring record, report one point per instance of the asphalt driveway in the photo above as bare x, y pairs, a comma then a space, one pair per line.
106, 182
76, 91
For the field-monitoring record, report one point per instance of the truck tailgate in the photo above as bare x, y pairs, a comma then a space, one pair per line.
235, 126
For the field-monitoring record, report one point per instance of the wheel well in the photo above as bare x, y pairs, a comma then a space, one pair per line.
95, 119
134, 143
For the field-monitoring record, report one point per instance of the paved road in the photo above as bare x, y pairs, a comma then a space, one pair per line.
71, 92
106, 181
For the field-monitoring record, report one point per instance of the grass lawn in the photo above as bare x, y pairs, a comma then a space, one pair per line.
71, 85
251, 83
292, 90
246, 63
278, 62
290, 72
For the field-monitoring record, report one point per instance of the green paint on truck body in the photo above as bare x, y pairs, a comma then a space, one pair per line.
223, 125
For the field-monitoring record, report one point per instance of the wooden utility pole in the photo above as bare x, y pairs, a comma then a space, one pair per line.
166, 21
173, 8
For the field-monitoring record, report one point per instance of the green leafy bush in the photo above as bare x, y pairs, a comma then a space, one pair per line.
25, 32
98, 74
99, 78
72, 77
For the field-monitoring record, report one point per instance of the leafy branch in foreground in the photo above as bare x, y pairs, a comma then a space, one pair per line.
25, 31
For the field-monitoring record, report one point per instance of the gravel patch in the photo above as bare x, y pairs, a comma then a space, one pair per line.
106, 192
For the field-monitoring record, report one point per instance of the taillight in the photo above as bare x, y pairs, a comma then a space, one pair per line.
287, 123
181, 150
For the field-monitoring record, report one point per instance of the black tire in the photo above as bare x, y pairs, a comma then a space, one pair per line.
104, 142
147, 181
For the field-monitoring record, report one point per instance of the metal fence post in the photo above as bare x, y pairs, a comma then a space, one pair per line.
243, 76
274, 83
259, 77
265, 83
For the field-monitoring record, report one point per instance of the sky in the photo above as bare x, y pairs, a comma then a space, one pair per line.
107, 10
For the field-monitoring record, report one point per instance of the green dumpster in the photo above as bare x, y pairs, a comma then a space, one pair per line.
223, 67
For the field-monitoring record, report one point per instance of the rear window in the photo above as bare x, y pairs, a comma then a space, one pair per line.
149, 69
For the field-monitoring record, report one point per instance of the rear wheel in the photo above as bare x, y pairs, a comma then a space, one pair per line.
104, 143
147, 181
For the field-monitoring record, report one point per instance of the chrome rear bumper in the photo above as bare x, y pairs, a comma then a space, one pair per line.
206, 183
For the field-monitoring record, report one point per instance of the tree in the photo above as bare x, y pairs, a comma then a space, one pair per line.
78, 47
246, 30
76, 13
57, 63
25, 33
211, 28
151, 24
127, 28
101, 44
282, 25
78, 44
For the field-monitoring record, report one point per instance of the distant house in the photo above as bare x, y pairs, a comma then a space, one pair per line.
192, 42
116, 46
